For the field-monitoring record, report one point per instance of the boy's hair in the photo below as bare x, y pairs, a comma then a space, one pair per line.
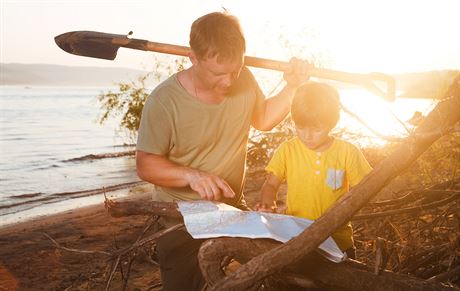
316, 104
217, 33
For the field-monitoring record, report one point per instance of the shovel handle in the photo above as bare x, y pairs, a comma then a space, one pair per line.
366, 80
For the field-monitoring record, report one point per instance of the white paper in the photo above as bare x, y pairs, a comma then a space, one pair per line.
206, 219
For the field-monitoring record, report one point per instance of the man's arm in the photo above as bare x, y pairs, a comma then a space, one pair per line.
160, 171
273, 110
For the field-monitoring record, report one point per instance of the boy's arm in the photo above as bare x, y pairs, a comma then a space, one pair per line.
268, 194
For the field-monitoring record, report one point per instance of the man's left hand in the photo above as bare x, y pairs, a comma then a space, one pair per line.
298, 73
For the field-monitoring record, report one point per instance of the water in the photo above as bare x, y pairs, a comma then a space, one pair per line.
41, 129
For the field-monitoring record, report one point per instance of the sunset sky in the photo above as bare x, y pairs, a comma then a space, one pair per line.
358, 36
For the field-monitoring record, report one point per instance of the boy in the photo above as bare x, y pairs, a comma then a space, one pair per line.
317, 167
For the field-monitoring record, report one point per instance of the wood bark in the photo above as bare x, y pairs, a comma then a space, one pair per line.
313, 269
442, 118
139, 207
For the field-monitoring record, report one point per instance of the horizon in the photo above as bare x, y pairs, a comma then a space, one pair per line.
145, 70
356, 36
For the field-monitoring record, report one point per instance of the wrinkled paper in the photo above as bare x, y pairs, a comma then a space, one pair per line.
206, 219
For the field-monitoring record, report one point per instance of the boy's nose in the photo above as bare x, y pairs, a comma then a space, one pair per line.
308, 134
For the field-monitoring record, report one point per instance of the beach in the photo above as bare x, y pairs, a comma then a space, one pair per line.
54, 180
29, 260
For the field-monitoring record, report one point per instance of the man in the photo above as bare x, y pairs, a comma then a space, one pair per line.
194, 130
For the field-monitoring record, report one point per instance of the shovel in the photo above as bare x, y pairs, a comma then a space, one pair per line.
105, 46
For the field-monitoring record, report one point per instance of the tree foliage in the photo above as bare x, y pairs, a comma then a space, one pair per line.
127, 102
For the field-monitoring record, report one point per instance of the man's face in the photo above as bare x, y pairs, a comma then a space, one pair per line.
314, 138
218, 76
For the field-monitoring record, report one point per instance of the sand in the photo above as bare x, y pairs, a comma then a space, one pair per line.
30, 261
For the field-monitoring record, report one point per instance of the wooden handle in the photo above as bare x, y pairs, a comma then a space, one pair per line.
365, 80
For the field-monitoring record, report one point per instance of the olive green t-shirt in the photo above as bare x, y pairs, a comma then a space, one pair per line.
208, 137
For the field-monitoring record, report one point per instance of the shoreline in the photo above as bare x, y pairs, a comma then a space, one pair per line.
29, 260
73, 204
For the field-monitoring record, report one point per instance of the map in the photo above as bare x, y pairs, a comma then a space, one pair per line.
207, 219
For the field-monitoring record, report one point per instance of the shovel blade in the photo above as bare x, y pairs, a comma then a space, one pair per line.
89, 44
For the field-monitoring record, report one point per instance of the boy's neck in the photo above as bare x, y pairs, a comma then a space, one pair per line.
324, 146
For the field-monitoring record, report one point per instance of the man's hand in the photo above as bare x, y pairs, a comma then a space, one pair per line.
298, 73
210, 187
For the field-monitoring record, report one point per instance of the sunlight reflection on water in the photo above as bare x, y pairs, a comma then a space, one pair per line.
387, 118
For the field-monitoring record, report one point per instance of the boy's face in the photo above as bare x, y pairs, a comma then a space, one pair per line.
314, 138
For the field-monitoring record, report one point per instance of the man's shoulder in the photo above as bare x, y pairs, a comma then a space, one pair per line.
165, 92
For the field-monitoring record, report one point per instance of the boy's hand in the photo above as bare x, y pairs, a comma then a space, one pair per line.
264, 207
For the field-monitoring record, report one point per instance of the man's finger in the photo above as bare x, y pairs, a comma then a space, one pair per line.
215, 191
226, 189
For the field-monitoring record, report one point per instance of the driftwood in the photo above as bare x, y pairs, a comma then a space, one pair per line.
124, 208
314, 269
413, 258
443, 117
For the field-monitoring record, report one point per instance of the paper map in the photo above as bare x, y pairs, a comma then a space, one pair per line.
206, 219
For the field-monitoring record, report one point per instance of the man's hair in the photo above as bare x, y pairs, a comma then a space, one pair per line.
316, 104
217, 33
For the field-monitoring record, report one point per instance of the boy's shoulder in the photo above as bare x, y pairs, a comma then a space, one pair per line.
292, 142
343, 145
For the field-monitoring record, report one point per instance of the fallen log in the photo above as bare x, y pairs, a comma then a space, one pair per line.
313, 269
442, 118
124, 208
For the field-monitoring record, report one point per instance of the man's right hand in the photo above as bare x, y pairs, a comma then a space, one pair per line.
208, 186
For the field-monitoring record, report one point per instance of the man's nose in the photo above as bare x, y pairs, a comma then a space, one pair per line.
229, 79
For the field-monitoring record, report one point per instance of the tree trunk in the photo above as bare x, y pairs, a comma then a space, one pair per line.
444, 116
312, 270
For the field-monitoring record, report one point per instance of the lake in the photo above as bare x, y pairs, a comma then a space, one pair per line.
43, 132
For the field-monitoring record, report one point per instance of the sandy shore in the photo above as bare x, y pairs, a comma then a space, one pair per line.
30, 261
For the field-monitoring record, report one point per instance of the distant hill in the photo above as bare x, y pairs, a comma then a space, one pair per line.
57, 75
430, 84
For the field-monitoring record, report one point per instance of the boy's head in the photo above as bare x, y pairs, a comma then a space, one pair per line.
316, 105
315, 110
217, 34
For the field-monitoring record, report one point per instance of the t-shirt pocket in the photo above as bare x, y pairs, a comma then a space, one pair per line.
335, 178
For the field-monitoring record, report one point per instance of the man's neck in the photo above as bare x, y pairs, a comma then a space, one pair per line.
200, 92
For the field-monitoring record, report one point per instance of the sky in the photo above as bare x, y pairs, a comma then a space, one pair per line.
356, 36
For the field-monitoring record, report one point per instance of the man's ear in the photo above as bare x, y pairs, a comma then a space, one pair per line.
193, 58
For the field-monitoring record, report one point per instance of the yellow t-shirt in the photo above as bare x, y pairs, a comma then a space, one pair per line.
316, 180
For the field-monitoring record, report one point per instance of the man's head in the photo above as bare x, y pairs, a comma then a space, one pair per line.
315, 111
218, 47
217, 34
